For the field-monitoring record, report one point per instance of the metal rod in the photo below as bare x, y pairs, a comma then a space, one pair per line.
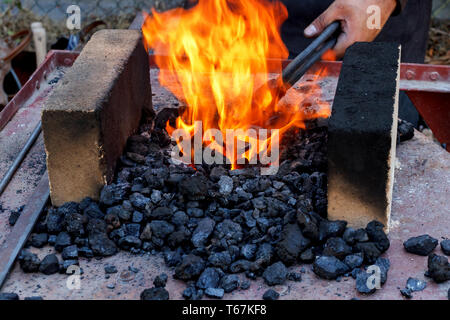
309, 63
30, 142
16, 78
18, 236
292, 67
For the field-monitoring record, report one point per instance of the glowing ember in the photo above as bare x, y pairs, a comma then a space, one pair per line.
218, 52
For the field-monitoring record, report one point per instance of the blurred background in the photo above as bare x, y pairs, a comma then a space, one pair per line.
17, 15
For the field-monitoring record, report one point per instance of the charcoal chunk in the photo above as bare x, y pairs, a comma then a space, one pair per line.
363, 283
293, 243
93, 211
230, 283
63, 240
160, 213
202, 232
438, 268
209, 278
421, 245
415, 284
49, 265
113, 194
307, 256
220, 259
54, 221
139, 201
110, 269
230, 231
73, 223
354, 261
352, 236
294, 276
375, 231
337, 247
309, 223
161, 229
331, 229
190, 268
180, 218
240, 266
215, 293
8, 296
13, 217
172, 258
101, 245
248, 251
155, 294
29, 262
407, 293
194, 188
70, 253
271, 295
275, 274
405, 130
160, 281
85, 252
181, 237
370, 251
130, 242
39, 240
329, 267
264, 255
445, 246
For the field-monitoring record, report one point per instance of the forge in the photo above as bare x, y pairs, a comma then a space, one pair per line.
125, 212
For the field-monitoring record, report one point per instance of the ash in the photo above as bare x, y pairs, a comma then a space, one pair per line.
211, 223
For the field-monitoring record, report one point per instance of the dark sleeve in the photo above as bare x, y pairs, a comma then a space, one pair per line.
400, 6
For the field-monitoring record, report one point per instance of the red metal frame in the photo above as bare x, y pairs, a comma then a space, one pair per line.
53, 60
428, 87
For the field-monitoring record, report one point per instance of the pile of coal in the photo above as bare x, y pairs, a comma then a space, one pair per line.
438, 266
211, 223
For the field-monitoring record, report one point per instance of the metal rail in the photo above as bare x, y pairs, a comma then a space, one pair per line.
19, 159
15, 241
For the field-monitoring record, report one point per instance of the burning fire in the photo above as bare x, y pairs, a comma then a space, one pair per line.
218, 55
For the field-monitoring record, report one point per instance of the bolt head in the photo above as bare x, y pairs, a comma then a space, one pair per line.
434, 76
410, 74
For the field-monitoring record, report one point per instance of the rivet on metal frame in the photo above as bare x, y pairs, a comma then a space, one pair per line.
434, 76
410, 74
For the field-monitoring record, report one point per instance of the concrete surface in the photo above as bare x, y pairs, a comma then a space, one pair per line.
422, 185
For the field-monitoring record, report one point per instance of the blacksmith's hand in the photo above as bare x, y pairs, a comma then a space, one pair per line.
361, 20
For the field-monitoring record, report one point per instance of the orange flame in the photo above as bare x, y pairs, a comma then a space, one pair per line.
217, 55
